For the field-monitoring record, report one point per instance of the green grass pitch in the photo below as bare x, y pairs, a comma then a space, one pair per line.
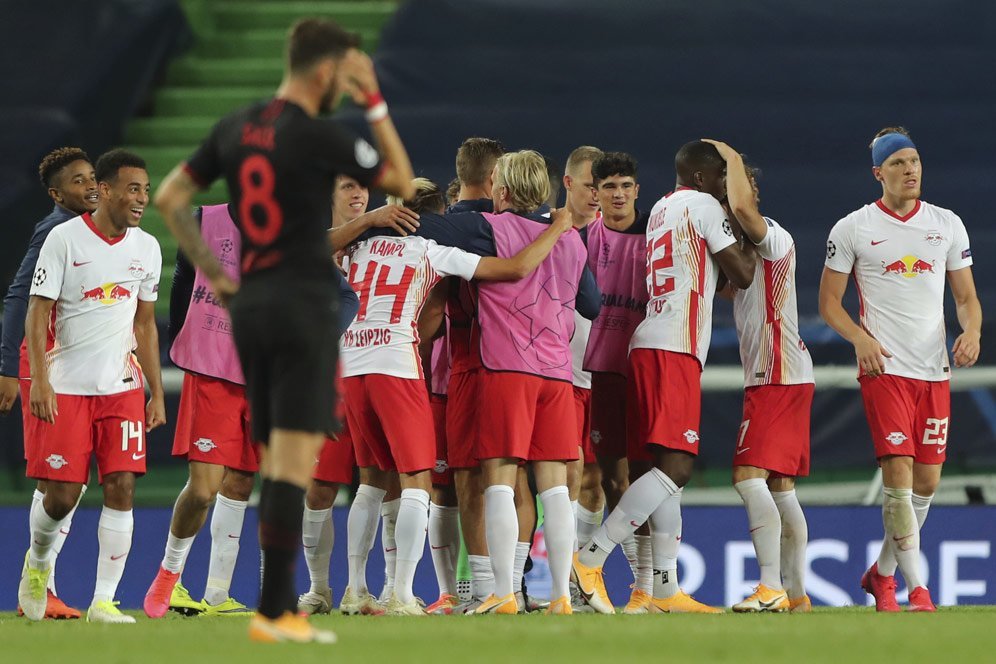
827, 635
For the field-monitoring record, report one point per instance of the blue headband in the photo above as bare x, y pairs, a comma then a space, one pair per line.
887, 145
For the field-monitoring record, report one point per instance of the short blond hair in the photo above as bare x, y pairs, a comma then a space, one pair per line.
524, 174
579, 156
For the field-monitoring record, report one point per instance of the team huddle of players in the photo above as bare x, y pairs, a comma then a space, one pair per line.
492, 350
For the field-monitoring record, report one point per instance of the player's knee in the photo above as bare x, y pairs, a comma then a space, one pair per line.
119, 491
925, 487
237, 485
201, 495
58, 505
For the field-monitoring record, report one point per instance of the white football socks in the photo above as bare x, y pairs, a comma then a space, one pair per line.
501, 526
444, 544
43, 530
644, 563
361, 529
177, 549
887, 559
388, 524
318, 538
643, 497
226, 533
558, 532
522, 550
795, 537
665, 526
628, 547
765, 529
482, 577
114, 530
587, 523
409, 535
61, 534
903, 533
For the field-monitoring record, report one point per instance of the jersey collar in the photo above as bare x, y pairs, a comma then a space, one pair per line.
96, 231
904, 219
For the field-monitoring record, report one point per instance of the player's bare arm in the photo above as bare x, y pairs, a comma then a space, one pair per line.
147, 350
174, 199
397, 217
360, 83
43, 402
523, 263
868, 351
740, 194
969, 309
737, 264
431, 317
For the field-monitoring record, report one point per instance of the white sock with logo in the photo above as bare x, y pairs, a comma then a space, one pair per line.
361, 529
44, 530
444, 544
795, 537
886, 558
587, 523
318, 538
60, 538
645, 563
114, 531
641, 498
177, 549
665, 526
765, 529
226, 533
412, 520
903, 531
388, 523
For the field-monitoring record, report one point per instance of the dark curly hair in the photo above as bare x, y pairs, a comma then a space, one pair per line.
613, 163
56, 160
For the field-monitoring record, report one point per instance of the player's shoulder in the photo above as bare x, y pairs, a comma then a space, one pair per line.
944, 215
68, 229
777, 229
855, 218
144, 239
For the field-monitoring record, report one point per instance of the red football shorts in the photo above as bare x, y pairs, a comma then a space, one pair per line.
110, 427
908, 417
336, 460
461, 420
664, 400
212, 424
526, 417
441, 473
774, 433
608, 415
582, 407
391, 422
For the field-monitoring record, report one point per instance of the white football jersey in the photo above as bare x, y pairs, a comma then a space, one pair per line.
392, 277
899, 266
767, 317
579, 344
686, 228
96, 283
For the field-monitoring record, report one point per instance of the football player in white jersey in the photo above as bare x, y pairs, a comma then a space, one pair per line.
387, 402
100, 274
689, 240
773, 445
900, 251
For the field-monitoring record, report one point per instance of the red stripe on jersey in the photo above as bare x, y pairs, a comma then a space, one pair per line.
695, 300
904, 219
93, 227
772, 317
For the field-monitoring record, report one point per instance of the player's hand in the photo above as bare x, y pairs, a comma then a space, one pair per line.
9, 389
725, 151
401, 219
561, 220
871, 355
966, 349
224, 288
155, 412
43, 402
359, 80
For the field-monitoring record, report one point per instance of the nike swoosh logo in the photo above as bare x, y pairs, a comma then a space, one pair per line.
634, 524
768, 605
876, 242
137, 457
64, 531
119, 556
437, 548
756, 529
78, 264
742, 450
941, 448
390, 550
305, 546
234, 537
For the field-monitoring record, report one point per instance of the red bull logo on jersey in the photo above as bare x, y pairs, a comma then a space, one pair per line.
106, 293
908, 267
